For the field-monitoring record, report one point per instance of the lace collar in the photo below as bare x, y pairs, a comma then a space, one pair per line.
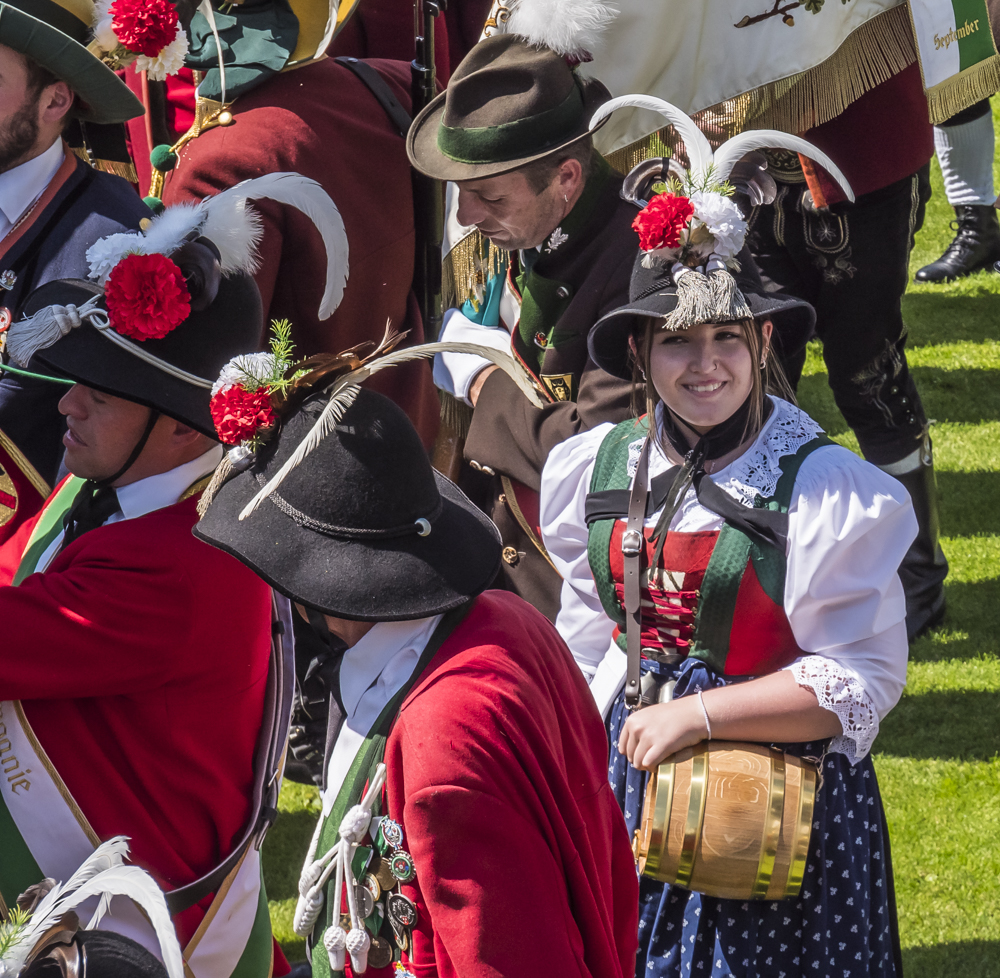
757, 470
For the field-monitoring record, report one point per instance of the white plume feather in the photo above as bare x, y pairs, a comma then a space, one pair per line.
102, 875
698, 148
236, 230
733, 150
338, 402
296, 191
571, 28
166, 232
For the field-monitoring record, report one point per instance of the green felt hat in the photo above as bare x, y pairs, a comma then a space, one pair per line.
55, 33
508, 103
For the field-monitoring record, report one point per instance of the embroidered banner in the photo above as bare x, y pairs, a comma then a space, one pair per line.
957, 47
781, 64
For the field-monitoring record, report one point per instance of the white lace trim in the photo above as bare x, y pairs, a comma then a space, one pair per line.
757, 471
839, 692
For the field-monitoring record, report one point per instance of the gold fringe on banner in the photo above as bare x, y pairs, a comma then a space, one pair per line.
125, 170
964, 89
871, 55
466, 269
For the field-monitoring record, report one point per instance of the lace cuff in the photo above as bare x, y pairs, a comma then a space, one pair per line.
839, 692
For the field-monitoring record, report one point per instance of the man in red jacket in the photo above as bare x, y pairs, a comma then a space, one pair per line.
501, 850
135, 658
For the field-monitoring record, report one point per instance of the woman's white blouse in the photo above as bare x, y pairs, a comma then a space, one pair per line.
849, 525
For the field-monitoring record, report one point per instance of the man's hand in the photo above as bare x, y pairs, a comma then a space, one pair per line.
477, 383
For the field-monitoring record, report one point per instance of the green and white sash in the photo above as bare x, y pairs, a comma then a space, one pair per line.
43, 832
958, 54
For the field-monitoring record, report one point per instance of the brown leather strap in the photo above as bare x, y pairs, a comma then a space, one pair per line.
633, 548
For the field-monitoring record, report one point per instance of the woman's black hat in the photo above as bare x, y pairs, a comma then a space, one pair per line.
652, 292
200, 346
363, 528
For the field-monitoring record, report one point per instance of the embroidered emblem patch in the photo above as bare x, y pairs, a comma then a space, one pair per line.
560, 386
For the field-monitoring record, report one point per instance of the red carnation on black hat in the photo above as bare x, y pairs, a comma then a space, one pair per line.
147, 297
662, 221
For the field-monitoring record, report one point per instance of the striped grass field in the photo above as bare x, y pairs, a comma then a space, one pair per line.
938, 754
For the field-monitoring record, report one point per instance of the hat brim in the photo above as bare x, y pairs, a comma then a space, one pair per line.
395, 579
422, 147
794, 321
106, 99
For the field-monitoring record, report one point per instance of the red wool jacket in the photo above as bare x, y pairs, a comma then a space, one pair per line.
497, 771
141, 658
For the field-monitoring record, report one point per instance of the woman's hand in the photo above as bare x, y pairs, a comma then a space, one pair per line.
657, 731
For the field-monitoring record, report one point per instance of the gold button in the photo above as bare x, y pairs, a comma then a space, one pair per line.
225, 118
509, 555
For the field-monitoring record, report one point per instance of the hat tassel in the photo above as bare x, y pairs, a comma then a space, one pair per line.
695, 299
47, 326
729, 302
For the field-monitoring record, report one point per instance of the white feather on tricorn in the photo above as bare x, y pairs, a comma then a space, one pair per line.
571, 28
235, 228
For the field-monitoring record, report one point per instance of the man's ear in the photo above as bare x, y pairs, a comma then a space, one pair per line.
570, 176
57, 100
183, 434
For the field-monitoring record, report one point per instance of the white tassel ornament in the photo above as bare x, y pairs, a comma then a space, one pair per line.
335, 942
49, 325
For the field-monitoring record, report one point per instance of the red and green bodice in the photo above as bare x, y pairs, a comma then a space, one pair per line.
714, 595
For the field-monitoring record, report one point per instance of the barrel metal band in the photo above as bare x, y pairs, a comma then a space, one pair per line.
659, 834
695, 815
803, 830
772, 827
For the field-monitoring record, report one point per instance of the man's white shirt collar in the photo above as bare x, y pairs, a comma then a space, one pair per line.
24, 184
150, 494
373, 670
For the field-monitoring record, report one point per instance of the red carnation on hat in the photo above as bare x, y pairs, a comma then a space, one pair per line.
660, 223
144, 26
238, 413
147, 297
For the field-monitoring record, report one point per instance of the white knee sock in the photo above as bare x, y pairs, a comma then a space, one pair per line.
965, 153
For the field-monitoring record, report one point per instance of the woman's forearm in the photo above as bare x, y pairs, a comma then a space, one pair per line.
772, 708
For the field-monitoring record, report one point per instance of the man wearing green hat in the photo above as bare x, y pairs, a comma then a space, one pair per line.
513, 131
53, 205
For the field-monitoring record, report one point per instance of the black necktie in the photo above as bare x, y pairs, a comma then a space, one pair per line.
93, 505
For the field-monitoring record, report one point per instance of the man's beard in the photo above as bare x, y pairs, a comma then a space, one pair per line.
20, 134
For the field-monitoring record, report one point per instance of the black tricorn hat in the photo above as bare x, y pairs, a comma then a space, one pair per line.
198, 348
363, 528
507, 104
652, 292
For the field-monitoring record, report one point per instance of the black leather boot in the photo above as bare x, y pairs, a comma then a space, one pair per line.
976, 245
924, 567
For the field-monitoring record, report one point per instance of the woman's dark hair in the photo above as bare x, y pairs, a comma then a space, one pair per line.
767, 380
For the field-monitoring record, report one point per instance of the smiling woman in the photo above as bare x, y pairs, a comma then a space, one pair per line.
746, 566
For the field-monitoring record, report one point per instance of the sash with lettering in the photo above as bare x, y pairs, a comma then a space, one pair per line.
43, 832
22, 489
957, 44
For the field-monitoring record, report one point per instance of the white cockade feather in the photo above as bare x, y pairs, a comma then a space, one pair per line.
235, 227
296, 191
699, 149
721, 162
344, 390
571, 28
102, 875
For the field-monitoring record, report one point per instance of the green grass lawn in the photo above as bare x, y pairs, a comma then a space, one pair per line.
938, 755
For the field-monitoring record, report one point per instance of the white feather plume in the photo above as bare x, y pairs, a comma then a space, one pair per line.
699, 149
571, 28
102, 875
296, 191
733, 150
338, 402
236, 230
